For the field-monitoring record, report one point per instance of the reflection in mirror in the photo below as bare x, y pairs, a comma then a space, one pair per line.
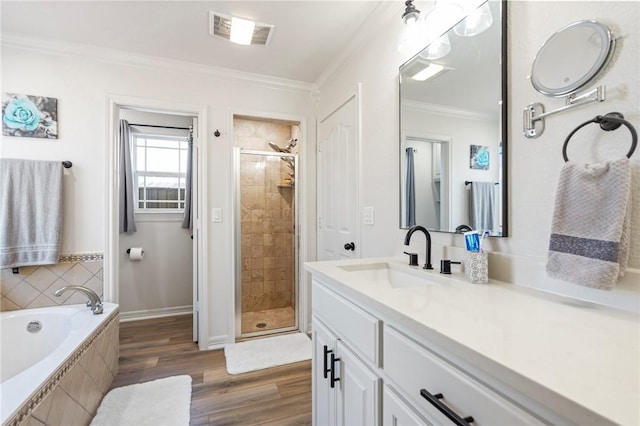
453, 134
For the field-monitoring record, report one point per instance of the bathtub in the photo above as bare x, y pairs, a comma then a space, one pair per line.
46, 348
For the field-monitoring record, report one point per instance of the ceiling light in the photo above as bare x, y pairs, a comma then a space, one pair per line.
221, 25
432, 70
241, 30
477, 21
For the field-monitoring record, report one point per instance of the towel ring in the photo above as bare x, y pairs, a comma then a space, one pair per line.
608, 122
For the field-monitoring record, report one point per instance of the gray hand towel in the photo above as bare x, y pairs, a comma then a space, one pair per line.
590, 232
30, 212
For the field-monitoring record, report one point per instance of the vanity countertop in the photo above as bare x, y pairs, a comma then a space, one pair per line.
564, 352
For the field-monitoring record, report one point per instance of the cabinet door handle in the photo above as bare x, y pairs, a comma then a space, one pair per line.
350, 246
334, 379
451, 415
326, 369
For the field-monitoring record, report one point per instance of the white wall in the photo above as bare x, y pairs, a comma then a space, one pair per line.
534, 165
81, 79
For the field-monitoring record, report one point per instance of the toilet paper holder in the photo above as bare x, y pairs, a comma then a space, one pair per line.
129, 251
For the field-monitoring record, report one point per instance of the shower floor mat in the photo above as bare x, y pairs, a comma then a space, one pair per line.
267, 352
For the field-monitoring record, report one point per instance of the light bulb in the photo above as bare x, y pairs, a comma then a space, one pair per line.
438, 48
476, 22
241, 30
413, 36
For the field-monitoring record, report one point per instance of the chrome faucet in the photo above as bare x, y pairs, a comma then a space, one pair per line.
407, 239
94, 300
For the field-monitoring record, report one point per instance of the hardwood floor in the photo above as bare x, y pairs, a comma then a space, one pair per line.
158, 348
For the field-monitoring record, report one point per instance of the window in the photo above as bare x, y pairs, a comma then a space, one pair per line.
161, 166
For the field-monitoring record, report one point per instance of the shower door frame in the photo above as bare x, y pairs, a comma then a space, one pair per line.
237, 153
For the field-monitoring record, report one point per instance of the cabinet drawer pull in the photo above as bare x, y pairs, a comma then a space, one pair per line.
334, 379
326, 369
435, 401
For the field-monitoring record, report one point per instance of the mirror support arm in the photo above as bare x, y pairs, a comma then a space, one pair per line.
534, 115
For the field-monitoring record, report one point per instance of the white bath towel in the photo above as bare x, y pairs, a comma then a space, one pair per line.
590, 232
30, 212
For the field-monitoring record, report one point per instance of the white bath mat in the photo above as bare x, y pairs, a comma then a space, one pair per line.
159, 402
267, 352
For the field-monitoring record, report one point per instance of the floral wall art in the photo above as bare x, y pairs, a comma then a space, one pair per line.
479, 157
29, 116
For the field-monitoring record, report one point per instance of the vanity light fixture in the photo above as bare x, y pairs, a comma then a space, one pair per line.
477, 21
413, 35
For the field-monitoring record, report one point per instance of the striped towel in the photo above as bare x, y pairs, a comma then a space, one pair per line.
590, 232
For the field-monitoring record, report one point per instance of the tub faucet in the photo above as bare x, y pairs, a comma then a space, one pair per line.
407, 239
94, 300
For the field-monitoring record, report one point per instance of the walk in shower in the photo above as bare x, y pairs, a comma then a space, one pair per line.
266, 249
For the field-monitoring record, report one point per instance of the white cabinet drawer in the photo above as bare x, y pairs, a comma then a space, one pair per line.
347, 321
413, 368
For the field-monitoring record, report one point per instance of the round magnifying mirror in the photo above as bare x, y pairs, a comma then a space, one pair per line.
571, 58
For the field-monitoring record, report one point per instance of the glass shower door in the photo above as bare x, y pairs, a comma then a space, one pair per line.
266, 269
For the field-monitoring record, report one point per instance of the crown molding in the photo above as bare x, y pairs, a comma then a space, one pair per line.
446, 110
119, 57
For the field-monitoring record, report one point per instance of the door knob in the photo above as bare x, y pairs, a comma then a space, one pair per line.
350, 246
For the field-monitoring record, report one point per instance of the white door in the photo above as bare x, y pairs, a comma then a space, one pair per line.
338, 165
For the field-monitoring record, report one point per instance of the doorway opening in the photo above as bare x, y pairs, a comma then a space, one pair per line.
163, 139
266, 170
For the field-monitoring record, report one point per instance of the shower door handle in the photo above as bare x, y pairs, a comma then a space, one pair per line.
350, 246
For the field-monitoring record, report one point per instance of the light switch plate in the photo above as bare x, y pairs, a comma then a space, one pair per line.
368, 216
216, 214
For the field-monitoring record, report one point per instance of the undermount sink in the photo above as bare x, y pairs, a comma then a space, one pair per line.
388, 273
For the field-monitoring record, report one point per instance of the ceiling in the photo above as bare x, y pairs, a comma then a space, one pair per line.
308, 35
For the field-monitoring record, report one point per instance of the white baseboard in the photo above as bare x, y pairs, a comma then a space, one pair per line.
155, 313
219, 342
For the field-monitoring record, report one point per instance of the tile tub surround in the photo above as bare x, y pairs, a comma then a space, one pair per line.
74, 391
33, 287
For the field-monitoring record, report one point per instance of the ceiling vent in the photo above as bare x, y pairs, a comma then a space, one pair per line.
220, 26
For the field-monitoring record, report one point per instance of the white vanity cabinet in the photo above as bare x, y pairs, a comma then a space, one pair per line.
346, 389
356, 352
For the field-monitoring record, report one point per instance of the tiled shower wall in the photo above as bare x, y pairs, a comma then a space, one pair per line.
34, 286
267, 216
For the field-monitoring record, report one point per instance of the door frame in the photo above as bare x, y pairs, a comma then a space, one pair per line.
302, 234
427, 137
357, 95
112, 237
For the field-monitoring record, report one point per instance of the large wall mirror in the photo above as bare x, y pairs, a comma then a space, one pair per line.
453, 130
